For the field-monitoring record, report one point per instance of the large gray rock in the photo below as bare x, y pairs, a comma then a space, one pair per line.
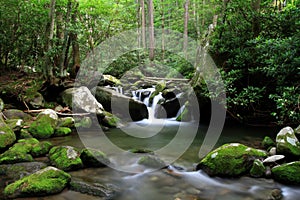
44, 182
16, 114
82, 99
7, 136
287, 143
119, 104
19, 170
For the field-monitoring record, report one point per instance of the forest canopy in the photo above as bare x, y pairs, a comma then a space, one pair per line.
255, 44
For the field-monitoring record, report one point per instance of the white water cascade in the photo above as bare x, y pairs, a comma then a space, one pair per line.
144, 96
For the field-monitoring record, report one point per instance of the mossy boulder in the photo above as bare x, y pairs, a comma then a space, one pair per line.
287, 173
287, 143
7, 136
16, 114
110, 120
24, 145
62, 131
230, 160
44, 182
11, 157
41, 149
85, 122
66, 158
66, 122
152, 161
44, 125
94, 158
268, 142
258, 169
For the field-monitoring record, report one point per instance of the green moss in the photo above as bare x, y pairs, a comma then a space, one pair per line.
94, 158
43, 127
85, 122
110, 120
7, 136
11, 157
44, 182
66, 122
65, 158
230, 160
62, 131
268, 142
258, 169
41, 148
24, 133
287, 173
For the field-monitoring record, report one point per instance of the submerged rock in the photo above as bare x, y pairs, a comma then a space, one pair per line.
7, 136
230, 160
94, 158
44, 125
287, 143
66, 158
152, 161
287, 173
44, 182
95, 189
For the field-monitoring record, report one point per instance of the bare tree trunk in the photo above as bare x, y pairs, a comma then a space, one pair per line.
143, 23
163, 30
64, 52
151, 30
185, 32
75, 45
48, 68
256, 20
60, 36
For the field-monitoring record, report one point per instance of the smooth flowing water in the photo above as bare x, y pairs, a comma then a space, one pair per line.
179, 181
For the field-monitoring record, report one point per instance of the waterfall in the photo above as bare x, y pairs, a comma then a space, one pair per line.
144, 96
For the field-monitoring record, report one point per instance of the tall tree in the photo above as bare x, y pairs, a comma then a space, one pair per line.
151, 30
48, 67
185, 32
